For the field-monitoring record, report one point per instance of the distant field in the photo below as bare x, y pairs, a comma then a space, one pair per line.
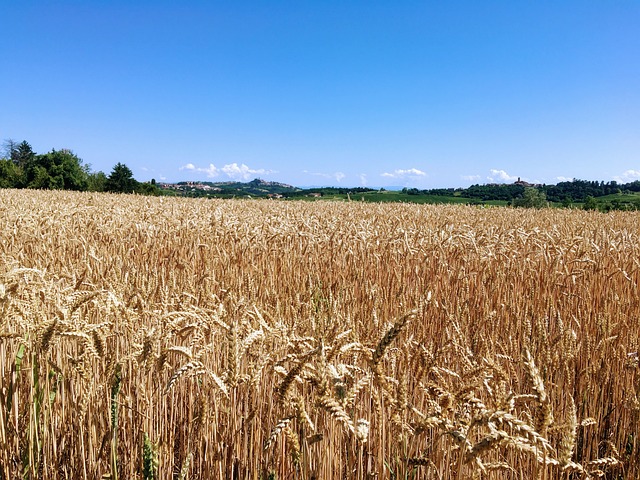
632, 199
396, 196
628, 197
174, 338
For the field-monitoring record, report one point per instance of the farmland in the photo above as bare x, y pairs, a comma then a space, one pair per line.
158, 337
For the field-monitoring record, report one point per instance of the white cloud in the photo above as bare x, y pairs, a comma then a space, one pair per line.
628, 176
211, 171
363, 179
243, 172
318, 174
411, 172
337, 176
564, 179
501, 175
471, 178
231, 170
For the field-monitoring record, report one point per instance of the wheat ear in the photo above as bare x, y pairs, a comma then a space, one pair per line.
393, 332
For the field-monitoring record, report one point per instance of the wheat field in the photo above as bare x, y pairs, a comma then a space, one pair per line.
174, 338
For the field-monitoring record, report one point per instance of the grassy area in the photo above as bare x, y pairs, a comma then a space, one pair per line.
619, 201
621, 197
396, 196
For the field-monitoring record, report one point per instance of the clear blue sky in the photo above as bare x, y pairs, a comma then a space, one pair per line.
407, 93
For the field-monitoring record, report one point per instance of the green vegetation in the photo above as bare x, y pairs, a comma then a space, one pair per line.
121, 180
56, 170
531, 198
254, 188
376, 196
21, 167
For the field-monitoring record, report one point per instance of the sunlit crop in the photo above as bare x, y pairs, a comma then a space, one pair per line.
204, 339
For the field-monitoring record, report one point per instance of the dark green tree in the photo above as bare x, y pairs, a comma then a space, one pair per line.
58, 169
97, 182
121, 180
39, 178
10, 174
22, 154
531, 198
12, 168
590, 203
148, 188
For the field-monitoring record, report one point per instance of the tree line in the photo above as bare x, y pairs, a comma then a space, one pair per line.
21, 167
565, 193
571, 191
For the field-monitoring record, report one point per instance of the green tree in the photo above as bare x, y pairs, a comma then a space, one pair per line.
97, 182
58, 169
121, 180
590, 203
148, 188
39, 177
567, 202
531, 198
12, 168
56, 183
10, 174
22, 154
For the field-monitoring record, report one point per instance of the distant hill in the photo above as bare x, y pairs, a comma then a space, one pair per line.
590, 194
257, 187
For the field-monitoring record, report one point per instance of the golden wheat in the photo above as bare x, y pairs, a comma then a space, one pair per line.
190, 338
